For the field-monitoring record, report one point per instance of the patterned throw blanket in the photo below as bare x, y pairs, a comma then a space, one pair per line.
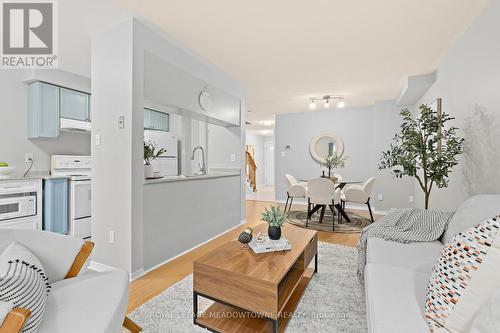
403, 226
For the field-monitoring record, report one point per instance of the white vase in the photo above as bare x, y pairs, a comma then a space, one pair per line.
148, 171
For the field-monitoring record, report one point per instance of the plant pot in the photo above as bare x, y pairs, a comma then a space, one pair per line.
274, 233
148, 171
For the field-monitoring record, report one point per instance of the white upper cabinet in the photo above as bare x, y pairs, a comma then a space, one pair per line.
74, 105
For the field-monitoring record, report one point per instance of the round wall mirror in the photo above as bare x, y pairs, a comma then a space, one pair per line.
324, 145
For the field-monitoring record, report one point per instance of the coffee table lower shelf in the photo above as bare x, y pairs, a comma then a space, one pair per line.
225, 318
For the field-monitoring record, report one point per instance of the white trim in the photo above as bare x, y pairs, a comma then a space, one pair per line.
135, 275
99, 267
141, 272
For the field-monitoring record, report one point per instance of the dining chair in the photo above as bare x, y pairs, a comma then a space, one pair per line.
294, 190
359, 194
321, 192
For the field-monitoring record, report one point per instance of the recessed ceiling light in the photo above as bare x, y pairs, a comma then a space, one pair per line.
267, 122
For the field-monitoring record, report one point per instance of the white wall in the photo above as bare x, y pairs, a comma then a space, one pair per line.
468, 79
366, 131
113, 182
119, 87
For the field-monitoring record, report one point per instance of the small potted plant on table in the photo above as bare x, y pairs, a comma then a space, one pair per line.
334, 161
150, 153
275, 218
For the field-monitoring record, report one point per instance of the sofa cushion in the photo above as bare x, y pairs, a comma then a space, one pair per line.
420, 256
395, 299
91, 302
472, 211
487, 319
465, 276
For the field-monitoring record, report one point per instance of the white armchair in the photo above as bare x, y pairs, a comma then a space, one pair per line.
87, 302
294, 190
360, 194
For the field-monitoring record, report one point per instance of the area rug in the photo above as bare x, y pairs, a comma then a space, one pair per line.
299, 217
333, 301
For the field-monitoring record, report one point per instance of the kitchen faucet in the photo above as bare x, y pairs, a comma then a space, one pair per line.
203, 169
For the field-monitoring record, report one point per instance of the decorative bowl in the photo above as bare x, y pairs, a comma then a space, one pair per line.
5, 172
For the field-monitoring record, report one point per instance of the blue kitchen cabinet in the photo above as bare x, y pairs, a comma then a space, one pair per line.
43, 111
156, 120
55, 205
147, 118
74, 105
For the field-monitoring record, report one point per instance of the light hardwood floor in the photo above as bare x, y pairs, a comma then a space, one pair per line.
153, 283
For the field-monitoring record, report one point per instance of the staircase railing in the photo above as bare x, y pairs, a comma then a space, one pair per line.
251, 171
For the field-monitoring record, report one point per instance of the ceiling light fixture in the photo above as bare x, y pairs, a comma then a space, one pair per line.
312, 105
327, 99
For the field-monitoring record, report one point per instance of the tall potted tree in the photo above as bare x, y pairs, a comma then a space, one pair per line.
424, 149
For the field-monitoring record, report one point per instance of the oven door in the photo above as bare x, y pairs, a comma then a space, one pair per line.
80, 199
16, 206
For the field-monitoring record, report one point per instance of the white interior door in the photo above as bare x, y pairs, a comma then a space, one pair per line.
269, 163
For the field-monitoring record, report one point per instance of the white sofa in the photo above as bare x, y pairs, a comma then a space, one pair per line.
396, 275
90, 302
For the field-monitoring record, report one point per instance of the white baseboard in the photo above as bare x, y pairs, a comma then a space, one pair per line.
99, 267
141, 272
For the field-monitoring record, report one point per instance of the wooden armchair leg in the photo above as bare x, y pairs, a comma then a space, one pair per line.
15, 320
131, 326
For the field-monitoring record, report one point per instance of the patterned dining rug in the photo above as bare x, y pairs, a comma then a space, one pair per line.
342, 310
299, 217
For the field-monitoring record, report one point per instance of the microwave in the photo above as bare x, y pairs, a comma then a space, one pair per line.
19, 205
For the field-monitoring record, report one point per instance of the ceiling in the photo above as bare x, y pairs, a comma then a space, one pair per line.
285, 51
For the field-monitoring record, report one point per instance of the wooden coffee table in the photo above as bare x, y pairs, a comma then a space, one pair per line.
254, 292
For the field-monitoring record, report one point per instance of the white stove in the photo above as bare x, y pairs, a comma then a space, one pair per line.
75, 167
78, 169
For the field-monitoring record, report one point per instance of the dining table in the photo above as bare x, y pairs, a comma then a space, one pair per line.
339, 184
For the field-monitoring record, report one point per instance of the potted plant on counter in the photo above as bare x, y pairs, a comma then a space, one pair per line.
150, 153
275, 218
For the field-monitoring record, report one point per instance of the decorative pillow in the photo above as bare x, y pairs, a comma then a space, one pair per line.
23, 282
465, 276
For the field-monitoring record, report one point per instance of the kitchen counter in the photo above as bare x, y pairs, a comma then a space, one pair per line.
18, 178
170, 179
